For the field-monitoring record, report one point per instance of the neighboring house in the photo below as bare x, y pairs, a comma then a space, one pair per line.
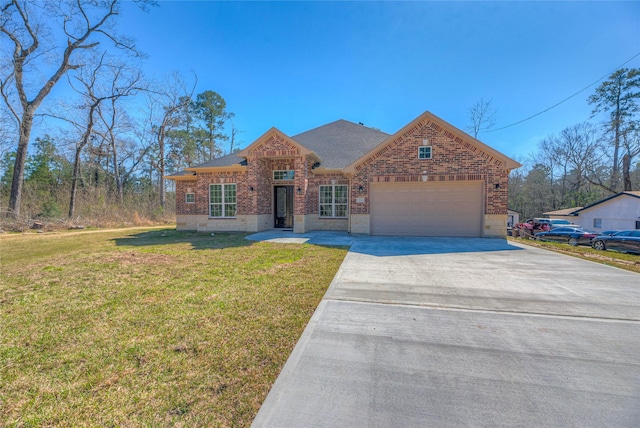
427, 179
513, 218
616, 212
565, 214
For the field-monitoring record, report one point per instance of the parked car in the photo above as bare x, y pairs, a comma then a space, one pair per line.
532, 226
627, 241
609, 232
570, 235
552, 223
556, 222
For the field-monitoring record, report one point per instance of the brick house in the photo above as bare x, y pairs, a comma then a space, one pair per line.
427, 179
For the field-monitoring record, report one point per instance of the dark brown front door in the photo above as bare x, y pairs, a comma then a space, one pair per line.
283, 206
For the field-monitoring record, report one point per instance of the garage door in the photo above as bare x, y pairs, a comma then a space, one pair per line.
427, 209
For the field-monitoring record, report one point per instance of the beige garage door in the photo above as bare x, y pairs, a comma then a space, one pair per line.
427, 209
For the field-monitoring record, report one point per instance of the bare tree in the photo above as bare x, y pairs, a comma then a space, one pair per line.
124, 82
25, 26
582, 149
482, 117
165, 103
234, 133
631, 146
97, 84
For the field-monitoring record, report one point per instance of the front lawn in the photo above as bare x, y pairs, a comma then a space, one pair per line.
150, 328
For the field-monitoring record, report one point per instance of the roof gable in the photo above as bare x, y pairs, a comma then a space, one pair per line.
617, 195
428, 119
564, 212
275, 143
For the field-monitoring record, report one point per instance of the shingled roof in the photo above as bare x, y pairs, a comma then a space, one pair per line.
228, 160
341, 142
337, 144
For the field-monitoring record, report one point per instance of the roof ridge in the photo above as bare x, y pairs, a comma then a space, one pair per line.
338, 121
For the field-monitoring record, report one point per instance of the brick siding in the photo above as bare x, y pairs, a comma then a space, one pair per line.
452, 159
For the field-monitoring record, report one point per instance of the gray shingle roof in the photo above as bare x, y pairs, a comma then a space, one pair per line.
337, 144
227, 160
182, 174
341, 142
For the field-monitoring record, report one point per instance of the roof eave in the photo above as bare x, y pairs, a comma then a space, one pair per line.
180, 177
225, 168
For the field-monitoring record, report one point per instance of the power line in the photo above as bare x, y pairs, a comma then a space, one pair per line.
568, 98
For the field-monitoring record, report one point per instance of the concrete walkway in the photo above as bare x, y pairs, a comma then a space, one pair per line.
317, 238
465, 332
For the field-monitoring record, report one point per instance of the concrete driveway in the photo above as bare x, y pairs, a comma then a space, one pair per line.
465, 332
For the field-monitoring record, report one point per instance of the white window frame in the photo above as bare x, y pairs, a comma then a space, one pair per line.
225, 205
289, 174
186, 198
334, 206
425, 147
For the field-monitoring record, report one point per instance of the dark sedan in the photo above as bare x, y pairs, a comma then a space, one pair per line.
569, 235
627, 241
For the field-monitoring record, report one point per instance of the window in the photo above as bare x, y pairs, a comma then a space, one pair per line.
424, 152
333, 201
190, 198
283, 175
597, 222
637, 224
222, 200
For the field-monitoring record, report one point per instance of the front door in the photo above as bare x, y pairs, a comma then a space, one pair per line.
283, 206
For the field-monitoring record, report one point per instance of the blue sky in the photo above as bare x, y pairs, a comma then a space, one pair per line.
299, 65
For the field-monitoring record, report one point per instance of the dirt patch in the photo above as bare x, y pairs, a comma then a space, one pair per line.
63, 234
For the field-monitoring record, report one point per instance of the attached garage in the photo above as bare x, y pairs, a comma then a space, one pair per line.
452, 208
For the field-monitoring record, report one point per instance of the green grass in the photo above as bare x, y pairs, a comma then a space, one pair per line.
150, 328
612, 258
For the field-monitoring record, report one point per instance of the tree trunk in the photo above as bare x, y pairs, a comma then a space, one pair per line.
76, 160
21, 158
116, 172
163, 190
74, 181
615, 172
626, 173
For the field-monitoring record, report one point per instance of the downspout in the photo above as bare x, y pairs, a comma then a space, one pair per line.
349, 177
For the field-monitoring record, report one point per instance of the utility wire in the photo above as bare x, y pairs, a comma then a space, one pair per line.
568, 98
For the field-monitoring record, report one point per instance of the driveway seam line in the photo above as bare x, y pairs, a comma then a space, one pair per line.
488, 311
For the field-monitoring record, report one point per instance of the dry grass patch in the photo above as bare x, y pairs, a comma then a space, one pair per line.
151, 329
